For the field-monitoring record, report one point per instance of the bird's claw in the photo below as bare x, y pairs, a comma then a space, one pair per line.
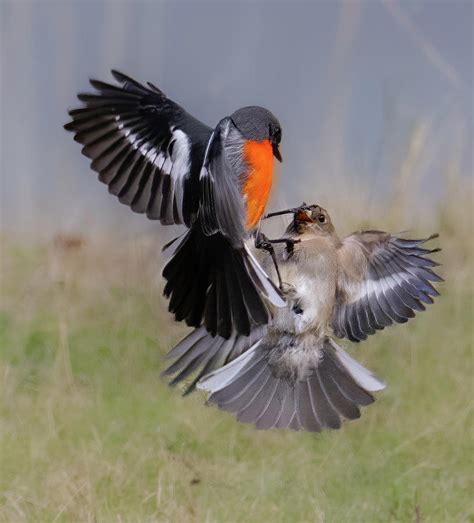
290, 245
262, 242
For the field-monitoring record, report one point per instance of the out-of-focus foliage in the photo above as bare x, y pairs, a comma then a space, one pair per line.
90, 432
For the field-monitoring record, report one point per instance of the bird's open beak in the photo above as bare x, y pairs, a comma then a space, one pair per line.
303, 216
276, 152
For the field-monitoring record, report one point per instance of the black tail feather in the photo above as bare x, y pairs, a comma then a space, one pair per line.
209, 281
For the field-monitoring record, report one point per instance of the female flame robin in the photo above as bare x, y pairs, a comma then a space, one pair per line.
291, 373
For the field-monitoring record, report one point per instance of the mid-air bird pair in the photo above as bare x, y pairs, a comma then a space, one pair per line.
265, 312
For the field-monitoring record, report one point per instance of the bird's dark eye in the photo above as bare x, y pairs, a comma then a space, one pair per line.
276, 135
321, 218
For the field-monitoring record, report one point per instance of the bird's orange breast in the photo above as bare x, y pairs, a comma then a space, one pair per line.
256, 189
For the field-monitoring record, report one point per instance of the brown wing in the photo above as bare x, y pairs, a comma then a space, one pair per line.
384, 279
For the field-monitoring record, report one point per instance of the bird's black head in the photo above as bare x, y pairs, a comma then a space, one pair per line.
257, 123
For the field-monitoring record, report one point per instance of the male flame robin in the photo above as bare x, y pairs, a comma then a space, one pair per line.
161, 161
291, 373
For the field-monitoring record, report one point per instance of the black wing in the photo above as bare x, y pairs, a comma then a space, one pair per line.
145, 147
384, 280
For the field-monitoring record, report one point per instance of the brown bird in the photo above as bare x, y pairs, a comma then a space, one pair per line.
291, 373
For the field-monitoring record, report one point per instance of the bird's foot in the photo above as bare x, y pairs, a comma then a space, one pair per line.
289, 243
262, 242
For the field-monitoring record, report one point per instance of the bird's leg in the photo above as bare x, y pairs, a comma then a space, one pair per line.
290, 243
262, 242
294, 210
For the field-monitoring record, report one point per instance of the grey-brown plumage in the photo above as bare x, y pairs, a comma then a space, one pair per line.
290, 373
283, 383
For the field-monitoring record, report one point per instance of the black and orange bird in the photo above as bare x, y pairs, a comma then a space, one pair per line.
161, 161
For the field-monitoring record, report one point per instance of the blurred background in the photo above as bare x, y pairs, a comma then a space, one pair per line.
366, 92
376, 104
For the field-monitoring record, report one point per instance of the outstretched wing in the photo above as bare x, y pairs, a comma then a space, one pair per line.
145, 147
383, 280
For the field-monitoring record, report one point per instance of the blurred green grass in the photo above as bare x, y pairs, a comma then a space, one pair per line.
89, 431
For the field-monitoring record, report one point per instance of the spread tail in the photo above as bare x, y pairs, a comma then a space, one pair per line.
210, 282
199, 353
313, 393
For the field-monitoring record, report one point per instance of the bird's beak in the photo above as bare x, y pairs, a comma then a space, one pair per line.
276, 152
303, 216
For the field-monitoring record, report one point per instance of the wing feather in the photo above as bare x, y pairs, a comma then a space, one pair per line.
143, 145
384, 280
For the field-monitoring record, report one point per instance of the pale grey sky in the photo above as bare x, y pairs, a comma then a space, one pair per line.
348, 80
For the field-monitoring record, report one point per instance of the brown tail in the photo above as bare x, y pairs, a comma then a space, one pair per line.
332, 388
